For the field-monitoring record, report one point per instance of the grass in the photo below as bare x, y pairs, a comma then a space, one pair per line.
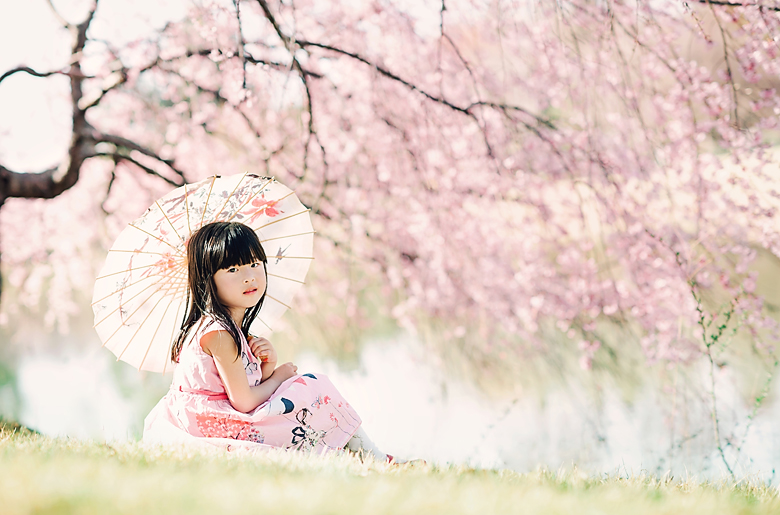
42, 475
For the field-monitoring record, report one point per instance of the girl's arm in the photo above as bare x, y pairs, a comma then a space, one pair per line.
267, 368
245, 398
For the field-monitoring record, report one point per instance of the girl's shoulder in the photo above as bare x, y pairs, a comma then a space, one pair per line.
209, 324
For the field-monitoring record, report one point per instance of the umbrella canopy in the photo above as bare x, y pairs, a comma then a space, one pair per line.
140, 295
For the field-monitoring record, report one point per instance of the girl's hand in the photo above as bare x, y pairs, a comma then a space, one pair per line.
263, 350
285, 372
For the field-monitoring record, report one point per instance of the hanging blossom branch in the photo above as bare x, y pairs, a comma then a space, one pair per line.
759, 400
291, 44
738, 4
710, 337
729, 73
468, 110
709, 342
241, 42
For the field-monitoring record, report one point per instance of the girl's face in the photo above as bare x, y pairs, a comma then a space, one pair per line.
240, 287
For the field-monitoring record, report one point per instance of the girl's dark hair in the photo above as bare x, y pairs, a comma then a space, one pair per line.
213, 247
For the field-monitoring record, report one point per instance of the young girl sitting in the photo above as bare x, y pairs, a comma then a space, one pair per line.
227, 388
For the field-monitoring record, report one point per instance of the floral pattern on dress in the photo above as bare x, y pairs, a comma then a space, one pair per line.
305, 437
220, 426
249, 366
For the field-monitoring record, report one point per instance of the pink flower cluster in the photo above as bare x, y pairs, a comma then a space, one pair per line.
219, 426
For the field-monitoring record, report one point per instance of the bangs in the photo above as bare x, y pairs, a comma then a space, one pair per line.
234, 245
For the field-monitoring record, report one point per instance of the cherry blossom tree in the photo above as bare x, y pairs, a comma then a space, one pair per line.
518, 169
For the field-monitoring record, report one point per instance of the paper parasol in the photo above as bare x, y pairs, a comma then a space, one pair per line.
139, 296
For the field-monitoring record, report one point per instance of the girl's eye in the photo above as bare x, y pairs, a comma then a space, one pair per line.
255, 264
232, 269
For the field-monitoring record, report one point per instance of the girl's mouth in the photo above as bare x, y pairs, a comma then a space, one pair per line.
250, 292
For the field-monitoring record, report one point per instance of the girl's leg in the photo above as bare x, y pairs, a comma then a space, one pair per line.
361, 442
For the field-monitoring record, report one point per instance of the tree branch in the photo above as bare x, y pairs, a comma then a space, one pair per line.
27, 69
737, 4
218, 98
65, 23
108, 188
131, 146
53, 181
387, 73
383, 71
120, 77
734, 96
241, 41
250, 59
290, 43
117, 157
46, 184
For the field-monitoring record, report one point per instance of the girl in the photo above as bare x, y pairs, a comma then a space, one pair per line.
227, 388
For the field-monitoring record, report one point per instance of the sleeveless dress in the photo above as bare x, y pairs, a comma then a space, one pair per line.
305, 413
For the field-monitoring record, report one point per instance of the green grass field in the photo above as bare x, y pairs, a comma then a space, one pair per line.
45, 475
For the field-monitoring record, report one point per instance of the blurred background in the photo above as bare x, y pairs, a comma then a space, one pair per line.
547, 234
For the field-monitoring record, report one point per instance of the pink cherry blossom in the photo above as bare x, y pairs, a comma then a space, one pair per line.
534, 174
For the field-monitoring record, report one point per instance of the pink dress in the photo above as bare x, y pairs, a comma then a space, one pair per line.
306, 412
